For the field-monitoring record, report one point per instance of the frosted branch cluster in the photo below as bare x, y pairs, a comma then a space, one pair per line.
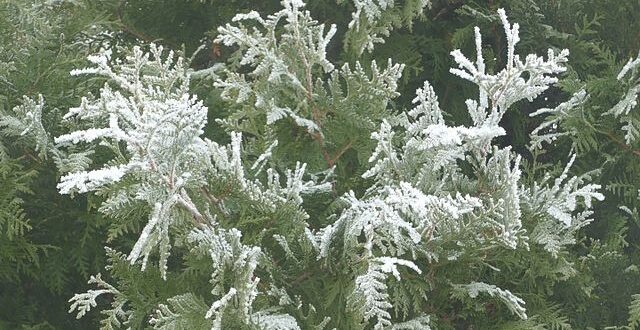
272, 58
423, 197
500, 90
286, 55
434, 193
153, 126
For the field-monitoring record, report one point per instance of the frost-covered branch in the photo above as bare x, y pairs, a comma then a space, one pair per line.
149, 113
370, 295
499, 91
27, 121
513, 302
232, 259
154, 126
83, 302
629, 76
558, 203
441, 192
304, 39
375, 19
547, 131
290, 79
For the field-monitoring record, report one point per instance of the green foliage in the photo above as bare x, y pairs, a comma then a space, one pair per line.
634, 312
260, 241
17, 251
48, 243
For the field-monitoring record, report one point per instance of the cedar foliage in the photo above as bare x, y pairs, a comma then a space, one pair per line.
311, 187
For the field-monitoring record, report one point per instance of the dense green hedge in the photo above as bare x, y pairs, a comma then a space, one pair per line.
50, 244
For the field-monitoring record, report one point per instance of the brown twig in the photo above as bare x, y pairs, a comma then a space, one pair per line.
316, 115
300, 278
185, 201
213, 200
339, 154
621, 143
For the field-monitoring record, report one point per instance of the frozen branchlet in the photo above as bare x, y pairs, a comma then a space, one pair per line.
83, 302
147, 117
118, 315
501, 173
564, 195
558, 204
395, 219
227, 163
499, 91
370, 9
229, 256
232, 259
375, 19
513, 302
260, 162
370, 295
27, 122
150, 112
629, 76
547, 131
83, 181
